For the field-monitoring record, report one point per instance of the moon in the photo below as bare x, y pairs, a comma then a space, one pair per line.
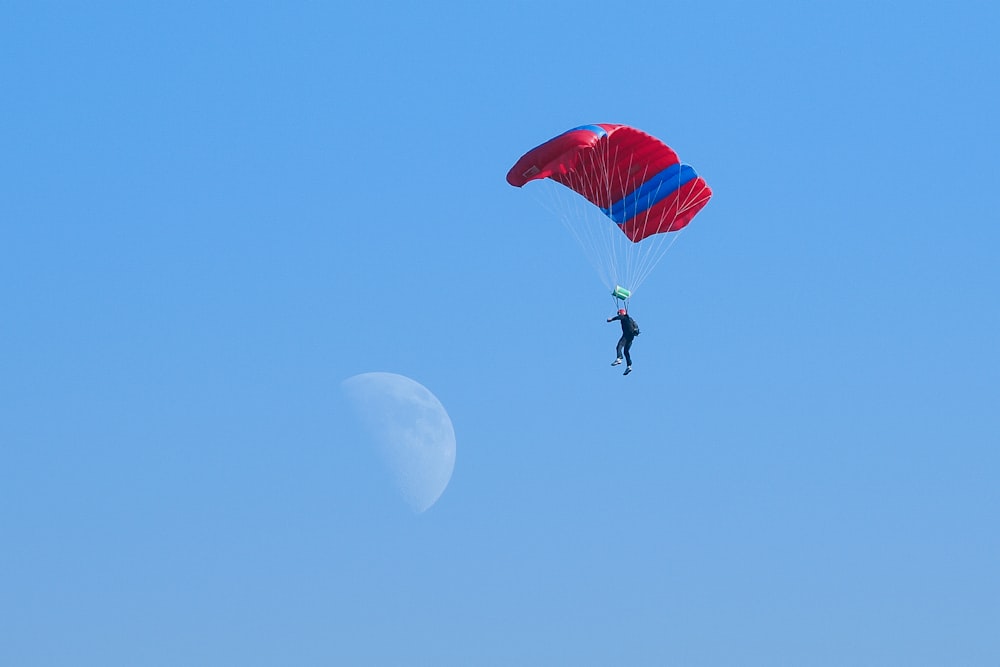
411, 430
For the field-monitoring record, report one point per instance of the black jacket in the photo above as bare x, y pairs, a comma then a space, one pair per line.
628, 325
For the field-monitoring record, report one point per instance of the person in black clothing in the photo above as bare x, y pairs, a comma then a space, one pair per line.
625, 342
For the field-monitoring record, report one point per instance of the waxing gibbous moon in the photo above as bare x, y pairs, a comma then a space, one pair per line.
411, 430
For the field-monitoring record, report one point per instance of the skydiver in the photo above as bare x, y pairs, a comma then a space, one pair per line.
629, 330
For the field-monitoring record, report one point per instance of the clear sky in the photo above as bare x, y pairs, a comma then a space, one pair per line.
211, 214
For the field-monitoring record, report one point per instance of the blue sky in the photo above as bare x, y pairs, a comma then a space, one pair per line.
213, 213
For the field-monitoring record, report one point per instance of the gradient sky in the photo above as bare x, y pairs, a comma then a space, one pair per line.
211, 214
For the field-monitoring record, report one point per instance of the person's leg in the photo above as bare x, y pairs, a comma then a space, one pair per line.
628, 357
618, 350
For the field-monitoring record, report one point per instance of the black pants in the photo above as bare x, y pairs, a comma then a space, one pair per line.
625, 343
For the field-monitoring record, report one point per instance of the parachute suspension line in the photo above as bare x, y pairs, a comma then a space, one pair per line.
658, 244
596, 225
636, 256
579, 217
617, 260
620, 302
593, 231
619, 249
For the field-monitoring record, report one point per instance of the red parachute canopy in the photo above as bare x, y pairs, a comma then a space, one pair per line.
634, 178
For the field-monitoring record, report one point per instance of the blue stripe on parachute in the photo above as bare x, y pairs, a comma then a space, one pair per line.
596, 129
651, 193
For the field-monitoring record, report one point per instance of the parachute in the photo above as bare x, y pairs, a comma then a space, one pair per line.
635, 195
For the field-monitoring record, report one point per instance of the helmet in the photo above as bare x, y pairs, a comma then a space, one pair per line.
621, 311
